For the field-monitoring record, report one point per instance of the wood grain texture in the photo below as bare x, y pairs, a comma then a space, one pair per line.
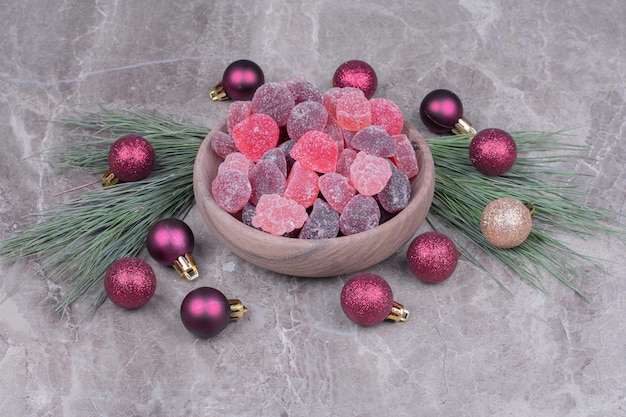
314, 258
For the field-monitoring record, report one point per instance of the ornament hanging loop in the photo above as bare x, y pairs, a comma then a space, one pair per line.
464, 127
531, 208
187, 267
218, 93
398, 313
237, 309
109, 179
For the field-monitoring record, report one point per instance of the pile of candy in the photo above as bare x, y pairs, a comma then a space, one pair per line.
304, 164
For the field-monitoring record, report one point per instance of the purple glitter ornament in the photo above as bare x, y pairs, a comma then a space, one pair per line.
130, 282
357, 74
432, 257
131, 158
493, 151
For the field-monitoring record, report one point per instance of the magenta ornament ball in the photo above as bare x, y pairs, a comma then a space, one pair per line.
205, 312
168, 239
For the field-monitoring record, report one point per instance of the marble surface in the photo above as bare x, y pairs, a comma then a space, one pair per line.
467, 350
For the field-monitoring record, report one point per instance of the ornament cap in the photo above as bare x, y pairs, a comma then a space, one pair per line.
463, 127
531, 208
218, 93
237, 309
109, 178
186, 267
398, 313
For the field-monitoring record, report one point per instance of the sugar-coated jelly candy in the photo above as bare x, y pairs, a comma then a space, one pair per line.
375, 141
266, 178
360, 214
237, 111
306, 116
236, 161
247, 213
369, 174
286, 147
303, 90
344, 161
222, 144
278, 215
406, 160
323, 222
396, 194
353, 111
231, 190
336, 190
332, 95
386, 114
275, 100
302, 185
277, 156
333, 130
256, 135
317, 151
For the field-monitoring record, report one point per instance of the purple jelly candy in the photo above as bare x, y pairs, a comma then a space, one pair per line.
302, 90
374, 140
396, 194
323, 222
248, 212
222, 144
265, 178
306, 116
275, 100
360, 214
277, 156
286, 147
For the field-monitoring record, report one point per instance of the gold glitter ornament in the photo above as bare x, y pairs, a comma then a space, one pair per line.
506, 222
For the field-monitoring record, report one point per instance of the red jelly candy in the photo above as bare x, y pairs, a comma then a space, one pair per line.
396, 194
236, 161
406, 160
336, 190
386, 114
275, 100
369, 174
302, 90
375, 141
222, 144
317, 151
306, 116
302, 185
265, 178
353, 111
231, 190
323, 222
256, 135
237, 111
278, 215
360, 214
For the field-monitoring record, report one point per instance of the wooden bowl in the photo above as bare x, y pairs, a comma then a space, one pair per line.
321, 257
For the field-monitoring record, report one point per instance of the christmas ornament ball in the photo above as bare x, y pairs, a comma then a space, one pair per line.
169, 239
131, 158
432, 257
357, 74
241, 79
130, 282
366, 299
506, 223
441, 110
205, 312
493, 151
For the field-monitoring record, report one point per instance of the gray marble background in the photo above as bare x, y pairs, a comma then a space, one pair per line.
467, 350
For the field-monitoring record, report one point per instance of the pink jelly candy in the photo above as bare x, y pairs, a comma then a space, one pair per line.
237, 111
360, 214
323, 222
386, 114
256, 135
375, 141
344, 161
277, 156
302, 90
306, 116
302, 185
236, 161
406, 160
353, 111
336, 190
275, 100
317, 151
265, 178
222, 144
278, 215
231, 190
396, 194
369, 174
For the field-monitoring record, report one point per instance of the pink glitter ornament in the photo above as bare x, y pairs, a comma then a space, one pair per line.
357, 74
131, 158
130, 282
493, 152
432, 257
367, 299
